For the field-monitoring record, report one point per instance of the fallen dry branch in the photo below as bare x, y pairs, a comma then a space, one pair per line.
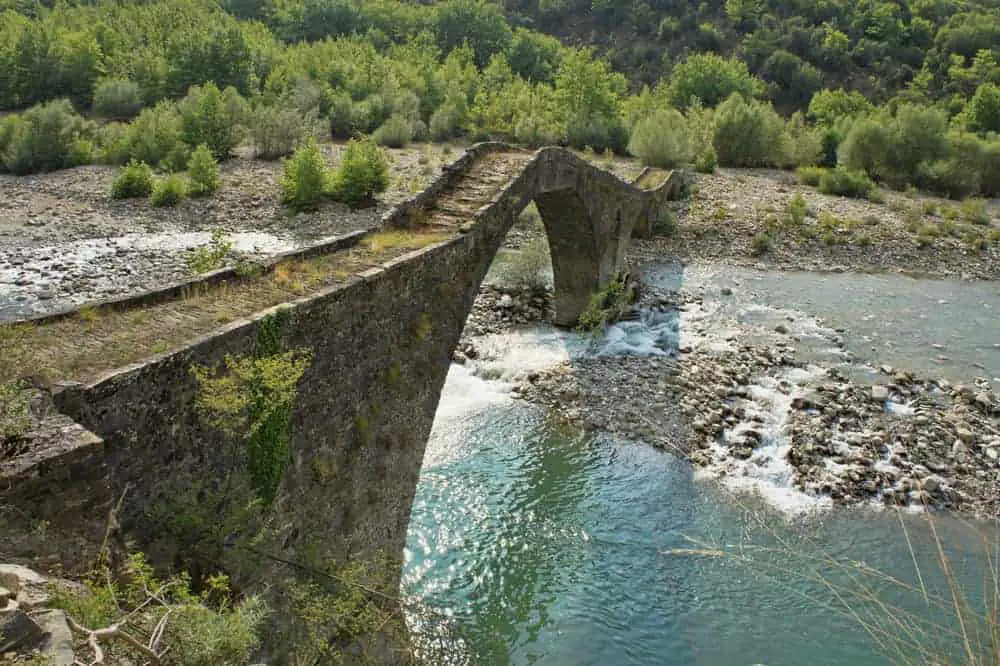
114, 632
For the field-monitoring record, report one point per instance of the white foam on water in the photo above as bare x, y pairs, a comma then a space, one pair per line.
653, 334
767, 472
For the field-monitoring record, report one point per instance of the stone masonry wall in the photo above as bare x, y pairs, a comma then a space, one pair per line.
382, 346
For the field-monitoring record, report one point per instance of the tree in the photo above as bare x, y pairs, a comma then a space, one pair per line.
477, 22
826, 106
792, 81
711, 79
984, 109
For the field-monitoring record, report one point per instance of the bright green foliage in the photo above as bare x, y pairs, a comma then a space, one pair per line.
706, 160
203, 172
797, 209
304, 179
711, 79
867, 147
396, 132
134, 180
588, 95
112, 143
748, 133
252, 402
43, 138
362, 173
607, 306
213, 118
210, 257
206, 629
169, 190
156, 135
449, 120
847, 183
827, 106
984, 108
117, 98
810, 175
661, 140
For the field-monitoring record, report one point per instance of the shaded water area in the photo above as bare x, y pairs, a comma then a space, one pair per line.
547, 545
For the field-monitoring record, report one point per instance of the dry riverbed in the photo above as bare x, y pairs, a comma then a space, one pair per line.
64, 241
742, 217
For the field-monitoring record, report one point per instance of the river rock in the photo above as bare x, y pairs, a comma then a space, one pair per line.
880, 393
932, 483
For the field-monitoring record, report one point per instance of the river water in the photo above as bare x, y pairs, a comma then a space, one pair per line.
543, 545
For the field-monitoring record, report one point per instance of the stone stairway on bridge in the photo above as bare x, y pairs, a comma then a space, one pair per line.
480, 183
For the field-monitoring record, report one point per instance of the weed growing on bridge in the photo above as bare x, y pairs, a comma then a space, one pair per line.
607, 305
209, 257
13, 410
252, 403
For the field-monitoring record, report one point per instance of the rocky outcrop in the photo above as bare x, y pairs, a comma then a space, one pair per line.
27, 627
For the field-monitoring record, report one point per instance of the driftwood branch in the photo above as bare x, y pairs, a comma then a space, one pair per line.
114, 632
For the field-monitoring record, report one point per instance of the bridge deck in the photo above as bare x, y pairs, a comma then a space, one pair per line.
95, 340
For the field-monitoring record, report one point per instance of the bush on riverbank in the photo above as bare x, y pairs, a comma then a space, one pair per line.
169, 190
304, 178
203, 172
134, 180
362, 173
43, 138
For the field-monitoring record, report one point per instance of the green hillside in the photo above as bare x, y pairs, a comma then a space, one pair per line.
906, 94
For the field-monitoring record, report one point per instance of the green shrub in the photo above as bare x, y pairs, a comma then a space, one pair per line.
984, 108
203, 172
748, 133
665, 223
117, 98
134, 180
711, 79
761, 243
974, 211
276, 131
448, 121
213, 118
342, 115
169, 191
803, 145
706, 161
990, 168
810, 175
866, 147
112, 143
362, 173
798, 209
43, 139
304, 178
846, 183
661, 140
370, 113
395, 132
155, 135
597, 132
8, 125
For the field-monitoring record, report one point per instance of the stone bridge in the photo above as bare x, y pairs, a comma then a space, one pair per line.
382, 333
